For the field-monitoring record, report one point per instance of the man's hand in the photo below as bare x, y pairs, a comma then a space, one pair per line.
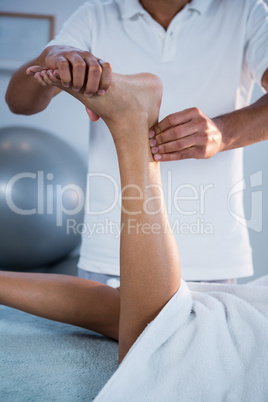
184, 135
77, 69
192, 134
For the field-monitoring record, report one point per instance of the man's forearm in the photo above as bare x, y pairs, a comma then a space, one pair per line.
24, 94
244, 126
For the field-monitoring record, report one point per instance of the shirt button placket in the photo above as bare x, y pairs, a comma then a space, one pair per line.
169, 48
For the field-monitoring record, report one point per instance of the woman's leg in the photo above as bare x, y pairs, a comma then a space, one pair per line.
149, 259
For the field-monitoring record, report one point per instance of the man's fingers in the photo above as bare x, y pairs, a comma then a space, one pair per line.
174, 133
176, 156
173, 120
93, 77
178, 145
106, 76
187, 134
56, 74
64, 69
78, 67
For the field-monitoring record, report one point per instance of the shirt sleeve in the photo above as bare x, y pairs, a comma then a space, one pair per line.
256, 45
77, 30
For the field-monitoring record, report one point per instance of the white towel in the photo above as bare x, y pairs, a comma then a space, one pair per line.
209, 343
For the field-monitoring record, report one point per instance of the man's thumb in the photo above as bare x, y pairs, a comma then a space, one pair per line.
93, 116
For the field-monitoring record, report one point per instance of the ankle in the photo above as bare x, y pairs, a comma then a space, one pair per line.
130, 133
132, 120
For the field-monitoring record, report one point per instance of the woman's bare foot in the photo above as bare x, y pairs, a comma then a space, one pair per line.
130, 99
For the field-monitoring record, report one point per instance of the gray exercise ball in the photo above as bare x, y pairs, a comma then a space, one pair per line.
42, 187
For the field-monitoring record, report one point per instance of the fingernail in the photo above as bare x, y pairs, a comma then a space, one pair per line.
66, 85
76, 89
152, 142
151, 133
101, 91
88, 95
157, 157
155, 150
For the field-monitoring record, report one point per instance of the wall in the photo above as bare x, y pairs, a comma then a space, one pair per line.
66, 118
255, 161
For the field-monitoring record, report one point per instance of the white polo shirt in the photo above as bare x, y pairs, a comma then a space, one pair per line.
209, 57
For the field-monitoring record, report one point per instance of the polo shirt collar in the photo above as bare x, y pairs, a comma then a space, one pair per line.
130, 8
198, 5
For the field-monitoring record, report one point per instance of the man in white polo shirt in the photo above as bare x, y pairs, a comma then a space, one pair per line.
208, 55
